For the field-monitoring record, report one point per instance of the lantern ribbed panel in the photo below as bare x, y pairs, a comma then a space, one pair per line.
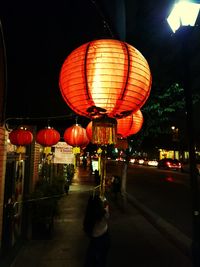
107, 74
47, 137
130, 125
137, 122
85, 143
20, 137
89, 130
76, 136
124, 125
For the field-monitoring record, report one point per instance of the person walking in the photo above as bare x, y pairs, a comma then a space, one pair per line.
116, 186
66, 186
96, 226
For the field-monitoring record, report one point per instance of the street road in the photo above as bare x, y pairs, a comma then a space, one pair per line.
166, 193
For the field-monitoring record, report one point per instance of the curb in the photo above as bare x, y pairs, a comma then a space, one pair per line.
180, 240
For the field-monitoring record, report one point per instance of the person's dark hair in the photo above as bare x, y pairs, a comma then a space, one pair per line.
99, 210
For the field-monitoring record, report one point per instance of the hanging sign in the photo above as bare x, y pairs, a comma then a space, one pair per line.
63, 153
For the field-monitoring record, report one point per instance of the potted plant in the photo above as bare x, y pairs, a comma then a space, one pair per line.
44, 206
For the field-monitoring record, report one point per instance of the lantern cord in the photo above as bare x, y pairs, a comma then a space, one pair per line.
48, 122
105, 23
76, 120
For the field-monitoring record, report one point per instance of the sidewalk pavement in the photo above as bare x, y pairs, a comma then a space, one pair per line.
134, 241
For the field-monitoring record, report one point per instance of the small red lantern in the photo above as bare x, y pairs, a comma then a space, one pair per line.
130, 125
47, 137
76, 136
105, 77
20, 137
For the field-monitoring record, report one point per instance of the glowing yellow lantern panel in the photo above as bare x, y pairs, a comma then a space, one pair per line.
104, 131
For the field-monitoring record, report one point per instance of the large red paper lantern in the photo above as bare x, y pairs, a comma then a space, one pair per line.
76, 136
20, 137
47, 137
105, 77
130, 125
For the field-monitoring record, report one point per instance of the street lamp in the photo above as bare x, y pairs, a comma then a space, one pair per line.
175, 139
181, 20
184, 13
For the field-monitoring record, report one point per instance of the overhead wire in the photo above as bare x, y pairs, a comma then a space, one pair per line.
105, 23
48, 119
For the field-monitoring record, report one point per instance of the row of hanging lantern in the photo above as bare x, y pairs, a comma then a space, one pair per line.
75, 136
105, 80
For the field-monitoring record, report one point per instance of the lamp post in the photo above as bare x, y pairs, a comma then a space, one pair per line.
181, 20
175, 139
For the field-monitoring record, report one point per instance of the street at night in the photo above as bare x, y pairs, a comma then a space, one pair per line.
134, 240
167, 193
100, 133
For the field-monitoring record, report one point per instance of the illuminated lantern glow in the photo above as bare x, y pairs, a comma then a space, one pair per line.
137, 123
130, 125
76, 136
104, 131
21, 137
85, 143
105, 77
89, 130
47, 137
124, 125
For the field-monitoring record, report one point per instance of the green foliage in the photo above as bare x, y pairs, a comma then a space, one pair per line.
45, 197
163, 108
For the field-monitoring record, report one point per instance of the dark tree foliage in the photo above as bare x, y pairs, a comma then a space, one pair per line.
159, 112
163, 109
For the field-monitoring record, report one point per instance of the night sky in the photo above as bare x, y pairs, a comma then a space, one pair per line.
39, 35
